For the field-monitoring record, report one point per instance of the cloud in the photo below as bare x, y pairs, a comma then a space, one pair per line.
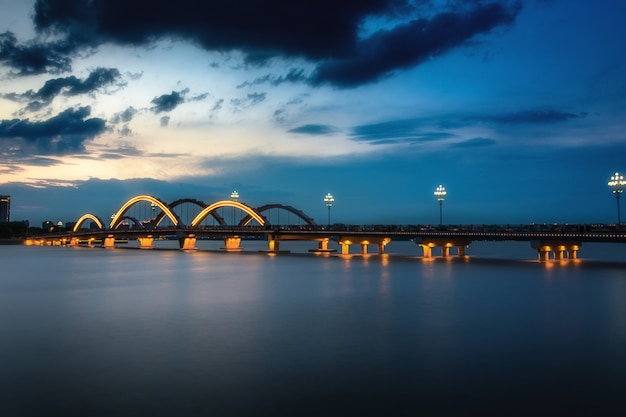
199, 97
249, 101
124, 116
165, 121
325, 32
35, 57
521, 117
62, 134
409, 44
168, 102
68, 86
474, 143
533, 116
396, 132
315, 130
293, 76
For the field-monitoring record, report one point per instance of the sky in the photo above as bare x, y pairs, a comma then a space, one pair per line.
518, 108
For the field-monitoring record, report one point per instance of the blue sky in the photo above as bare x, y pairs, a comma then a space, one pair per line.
517, 107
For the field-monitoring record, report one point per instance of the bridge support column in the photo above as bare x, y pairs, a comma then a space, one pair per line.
544, 255
231, 244
363, 248
559, 248
445, 251
74, 241
345, 248
461, 250
428, 251
108, 242
322, 247
559, 253
274, 245
188, 242
382, 244
146, 242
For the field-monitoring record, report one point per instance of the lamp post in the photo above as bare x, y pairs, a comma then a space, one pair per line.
440, 193
234, 196
617, 184
329, 200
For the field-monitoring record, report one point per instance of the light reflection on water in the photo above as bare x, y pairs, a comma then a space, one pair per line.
165, 332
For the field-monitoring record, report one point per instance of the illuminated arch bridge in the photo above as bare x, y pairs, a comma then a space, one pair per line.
206, 210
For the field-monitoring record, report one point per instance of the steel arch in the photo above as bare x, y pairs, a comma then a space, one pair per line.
308, 220
118, 216
158, 219
86, 217
228, 203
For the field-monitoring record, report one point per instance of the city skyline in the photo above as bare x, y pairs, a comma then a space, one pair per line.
515, 107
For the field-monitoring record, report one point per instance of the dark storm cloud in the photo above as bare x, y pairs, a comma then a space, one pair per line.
326, 32
64, 133
315, 130
168, 102
35, 57
68, 86
410, 44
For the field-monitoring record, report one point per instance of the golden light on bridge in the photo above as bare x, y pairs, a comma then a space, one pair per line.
86, 217
227, 203
117, 217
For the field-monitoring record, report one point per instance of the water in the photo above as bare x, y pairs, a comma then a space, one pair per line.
98, 332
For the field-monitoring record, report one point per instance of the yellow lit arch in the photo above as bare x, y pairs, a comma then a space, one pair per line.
227, 203
86, 217
117, 218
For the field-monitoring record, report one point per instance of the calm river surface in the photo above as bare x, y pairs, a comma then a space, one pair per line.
126, 332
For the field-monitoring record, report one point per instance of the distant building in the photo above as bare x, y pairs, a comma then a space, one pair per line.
5, 208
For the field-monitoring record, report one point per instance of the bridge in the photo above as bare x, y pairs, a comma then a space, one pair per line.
160, 220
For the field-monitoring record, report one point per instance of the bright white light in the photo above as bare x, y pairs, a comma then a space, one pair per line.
440, 192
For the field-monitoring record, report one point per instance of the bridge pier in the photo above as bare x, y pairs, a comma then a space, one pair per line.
108, 242
445, 245
273, 245
560, 250
428, 251
187, 242
231, 244
146, 242
364, 242
322, 247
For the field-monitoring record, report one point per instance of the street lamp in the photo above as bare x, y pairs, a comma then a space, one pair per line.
617, 184
234, 196
440, 193
329, 200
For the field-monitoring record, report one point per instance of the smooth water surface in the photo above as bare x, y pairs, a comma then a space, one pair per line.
133, 332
